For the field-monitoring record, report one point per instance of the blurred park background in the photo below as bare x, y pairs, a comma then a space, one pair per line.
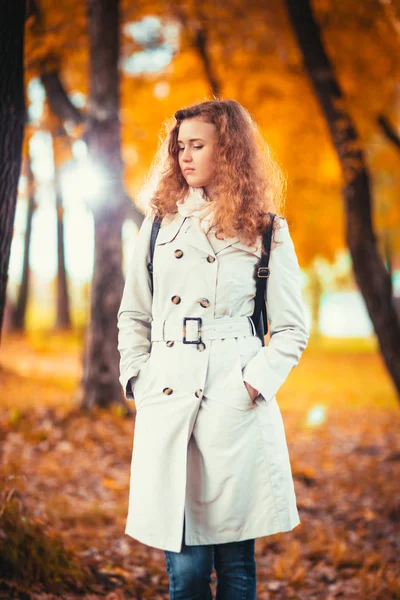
322, 80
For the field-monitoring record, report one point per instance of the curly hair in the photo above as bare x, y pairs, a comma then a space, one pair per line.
248, 184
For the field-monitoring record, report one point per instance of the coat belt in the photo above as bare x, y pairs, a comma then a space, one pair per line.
196, 329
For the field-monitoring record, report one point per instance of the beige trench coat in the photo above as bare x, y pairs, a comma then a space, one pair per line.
202, 450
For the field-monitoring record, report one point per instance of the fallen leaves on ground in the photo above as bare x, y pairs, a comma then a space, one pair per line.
70, 471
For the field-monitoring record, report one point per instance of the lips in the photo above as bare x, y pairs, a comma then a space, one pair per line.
188, 170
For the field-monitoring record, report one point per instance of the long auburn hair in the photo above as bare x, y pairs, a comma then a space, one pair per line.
248, 184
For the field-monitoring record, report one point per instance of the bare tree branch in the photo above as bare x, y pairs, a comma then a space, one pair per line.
200, 42
388, 130
58, 97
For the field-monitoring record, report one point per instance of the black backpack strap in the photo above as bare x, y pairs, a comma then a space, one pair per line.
259, 316
153, 236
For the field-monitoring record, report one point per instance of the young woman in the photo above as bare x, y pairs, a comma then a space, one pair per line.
210, 467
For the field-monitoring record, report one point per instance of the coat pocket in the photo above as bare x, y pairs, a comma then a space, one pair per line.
248, 347
233, 390
239, 395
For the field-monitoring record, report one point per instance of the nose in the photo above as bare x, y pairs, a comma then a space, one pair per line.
186, 156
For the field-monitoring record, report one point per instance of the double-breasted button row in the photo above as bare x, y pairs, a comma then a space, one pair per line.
168, 391
179, 253
204, 302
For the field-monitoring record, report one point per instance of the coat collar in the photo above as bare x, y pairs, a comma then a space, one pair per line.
194, 217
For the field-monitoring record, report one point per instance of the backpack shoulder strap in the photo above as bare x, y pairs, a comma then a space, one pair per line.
259, 316
153, 236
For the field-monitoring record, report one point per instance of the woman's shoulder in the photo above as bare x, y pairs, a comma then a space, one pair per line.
279, 219
283, 242
279, 224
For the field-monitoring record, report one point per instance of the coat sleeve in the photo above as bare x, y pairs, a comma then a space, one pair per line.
269, 368
135, 312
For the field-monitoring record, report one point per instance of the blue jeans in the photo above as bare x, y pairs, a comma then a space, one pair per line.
190, 570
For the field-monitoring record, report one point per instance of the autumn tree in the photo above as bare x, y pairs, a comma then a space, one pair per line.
101, 373
61, 147
100, 125
372, 277
12, 121
18, 313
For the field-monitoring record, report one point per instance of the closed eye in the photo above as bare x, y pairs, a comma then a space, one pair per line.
197, 147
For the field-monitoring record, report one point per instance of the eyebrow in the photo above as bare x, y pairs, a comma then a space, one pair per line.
193, 140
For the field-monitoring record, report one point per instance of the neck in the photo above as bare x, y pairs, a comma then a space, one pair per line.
209, 192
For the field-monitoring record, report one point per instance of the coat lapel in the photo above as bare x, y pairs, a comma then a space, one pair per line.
219, 244
196, 236
169, 228
253, 250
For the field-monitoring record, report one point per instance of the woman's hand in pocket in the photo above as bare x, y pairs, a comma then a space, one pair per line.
252, 391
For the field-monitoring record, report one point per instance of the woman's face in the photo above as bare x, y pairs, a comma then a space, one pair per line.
196, 141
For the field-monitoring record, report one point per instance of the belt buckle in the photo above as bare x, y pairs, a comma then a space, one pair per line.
199, 325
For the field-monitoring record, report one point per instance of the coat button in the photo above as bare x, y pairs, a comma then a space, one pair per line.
167, 391
198, 393
170, 343
201, 346
178, 253
210, 258
204, 302
176, 299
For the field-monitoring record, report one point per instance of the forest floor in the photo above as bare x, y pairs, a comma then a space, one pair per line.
64, 478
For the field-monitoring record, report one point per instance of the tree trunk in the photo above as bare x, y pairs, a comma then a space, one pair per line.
63, 317
101, 373
19, 312
12, 123
100, 381
370, 273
